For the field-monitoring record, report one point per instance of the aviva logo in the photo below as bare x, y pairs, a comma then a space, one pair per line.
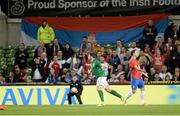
175, 97
35, 96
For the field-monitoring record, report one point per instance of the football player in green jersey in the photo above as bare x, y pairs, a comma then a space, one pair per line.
99, 73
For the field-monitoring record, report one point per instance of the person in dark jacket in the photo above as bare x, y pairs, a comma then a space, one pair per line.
38, 70
67, 53
76, 89
150, 33
21, 57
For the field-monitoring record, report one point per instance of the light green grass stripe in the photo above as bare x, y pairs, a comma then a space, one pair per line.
91, 115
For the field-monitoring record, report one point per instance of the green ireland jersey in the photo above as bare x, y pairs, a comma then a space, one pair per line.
96, 69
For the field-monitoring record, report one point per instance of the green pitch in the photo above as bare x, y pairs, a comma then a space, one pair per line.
93, 110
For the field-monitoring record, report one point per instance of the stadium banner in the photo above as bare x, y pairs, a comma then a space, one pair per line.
57, 95
21, 8
106, 30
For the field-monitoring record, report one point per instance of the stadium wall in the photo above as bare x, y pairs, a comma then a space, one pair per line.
3, 30
57, 95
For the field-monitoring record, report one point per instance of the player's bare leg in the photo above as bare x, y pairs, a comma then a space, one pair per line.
128, 96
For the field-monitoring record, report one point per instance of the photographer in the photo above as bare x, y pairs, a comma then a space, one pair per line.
76, 89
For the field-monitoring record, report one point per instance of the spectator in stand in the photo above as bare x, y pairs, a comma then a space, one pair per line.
113, 79
74, 62
178, 34
21, 57
170, 33
53, 77
134, 47
157, 77
119, 46
55, 48
87, 66
168, 78
77, 64
96, 47
108, 55
19, 76
102, 50
38, 70
165, 73
43, 58
114, 61
84, 45
124, 56
144, 61
56, 65
2, 80
158, 59
46, 35
152, 74
159, 44
120, 73
64, 76
39, 50
122, 79
176, 57
176, 76
10, 78
68, 53
89, 49
72, 74
60, 55
150, 33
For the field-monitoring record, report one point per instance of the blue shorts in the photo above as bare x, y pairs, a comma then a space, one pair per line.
137, 83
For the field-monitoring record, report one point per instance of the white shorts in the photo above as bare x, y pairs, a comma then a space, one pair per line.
102, 81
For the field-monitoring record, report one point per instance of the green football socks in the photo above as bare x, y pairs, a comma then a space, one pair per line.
113, 92
101, 95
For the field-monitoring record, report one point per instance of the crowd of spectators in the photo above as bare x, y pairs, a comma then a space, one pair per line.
56, 63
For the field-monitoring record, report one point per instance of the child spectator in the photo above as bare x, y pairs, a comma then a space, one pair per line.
53, 77
56, 65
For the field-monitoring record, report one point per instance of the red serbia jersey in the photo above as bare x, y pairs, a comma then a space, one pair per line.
56, 67
135, 74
